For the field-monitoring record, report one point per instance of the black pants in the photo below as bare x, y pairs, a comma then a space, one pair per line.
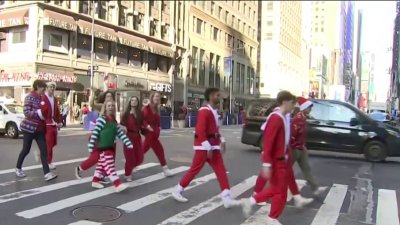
64, 120
40, 138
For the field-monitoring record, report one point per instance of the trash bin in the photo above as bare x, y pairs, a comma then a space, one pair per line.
165, 120
192, 119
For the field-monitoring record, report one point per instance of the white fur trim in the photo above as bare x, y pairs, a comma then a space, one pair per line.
206, 145
305, 105
223, 140
51, 83
39, 112
266, 165
213, 147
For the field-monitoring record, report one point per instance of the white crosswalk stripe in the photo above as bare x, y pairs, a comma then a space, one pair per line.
387, 211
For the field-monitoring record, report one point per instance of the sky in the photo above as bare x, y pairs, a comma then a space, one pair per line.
377, 36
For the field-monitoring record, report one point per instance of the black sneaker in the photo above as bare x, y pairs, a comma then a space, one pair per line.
78, 173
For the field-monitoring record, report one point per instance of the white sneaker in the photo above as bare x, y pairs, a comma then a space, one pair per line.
167, 172
229, 202
36, 154
289, 196
128, 178
50, 176
78, 171
300, 201
20, 173
120, 188
177, 195
97, 185
260, 203
271, 221
52, 166
247, 206
320, 190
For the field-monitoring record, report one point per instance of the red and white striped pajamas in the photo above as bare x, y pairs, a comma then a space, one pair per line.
106, 166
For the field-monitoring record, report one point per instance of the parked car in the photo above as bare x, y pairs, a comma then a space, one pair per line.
379, 116
11, 116
332, 126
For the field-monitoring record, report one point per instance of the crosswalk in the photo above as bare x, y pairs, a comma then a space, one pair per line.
155, 190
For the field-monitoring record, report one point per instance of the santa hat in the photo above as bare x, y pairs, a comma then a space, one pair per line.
303, 103
51, 83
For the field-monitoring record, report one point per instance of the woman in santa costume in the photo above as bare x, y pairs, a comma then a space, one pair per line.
53, 121
276, 165
297, 143
207, 145
132, 120
152, 129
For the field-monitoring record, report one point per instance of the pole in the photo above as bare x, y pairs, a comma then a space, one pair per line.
91, 101
231, 84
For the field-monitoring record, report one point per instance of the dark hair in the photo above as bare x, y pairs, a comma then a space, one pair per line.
285, 96
38, 84
138, 112
102, 96
210, 91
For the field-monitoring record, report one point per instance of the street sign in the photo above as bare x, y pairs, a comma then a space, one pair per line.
227, 66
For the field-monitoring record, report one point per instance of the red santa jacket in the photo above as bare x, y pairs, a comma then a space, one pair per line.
52, 116
207, 135
276, 138
298, 131
150, 118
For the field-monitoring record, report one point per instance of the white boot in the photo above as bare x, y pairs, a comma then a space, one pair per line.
177, 194
271, 221
320, 190
227, 199
247, 206
300, 201
167, 171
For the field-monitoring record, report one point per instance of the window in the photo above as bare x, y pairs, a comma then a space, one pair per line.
59, 3
232, 20
322, 29
215, 34
19, 37
212, 8
84, 7
138, 23
165, 6
165, 31
226, 17
332, 112
269, 36
237, 85
219, 13
270, 6
195, 65
202, 74
153, 4
249, 81
199, 26
163, 63
122, 16
316, 29
135, 57
217, 72
269, 23
55, 40
152, 61
84, 46
254, 15
3, 43
154, 28
102, 49
229, 41
211, 77
242, 73
122, 55
102, 10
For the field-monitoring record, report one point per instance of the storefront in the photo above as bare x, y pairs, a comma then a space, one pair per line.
165, 90
128, 87
195, 100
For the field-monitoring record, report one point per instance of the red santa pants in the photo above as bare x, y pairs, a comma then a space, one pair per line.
217, 164
51, 141
151, 140
134, 157
93, 158
106, 166
277, 191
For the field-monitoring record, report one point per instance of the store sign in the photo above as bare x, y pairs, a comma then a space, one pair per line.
15, 77
132, 43
161, 87
62, 24
56, 77
13, 22
99, 34
134, 84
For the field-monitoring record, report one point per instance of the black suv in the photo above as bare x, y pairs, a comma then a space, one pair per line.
332, 126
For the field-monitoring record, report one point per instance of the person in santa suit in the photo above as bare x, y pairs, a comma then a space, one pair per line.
53, 120
208, 144
275, 160
297, 143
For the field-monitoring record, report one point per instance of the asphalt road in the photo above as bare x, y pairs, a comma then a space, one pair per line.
359, 192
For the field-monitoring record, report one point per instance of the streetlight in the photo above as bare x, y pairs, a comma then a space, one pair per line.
231, 79
91, 100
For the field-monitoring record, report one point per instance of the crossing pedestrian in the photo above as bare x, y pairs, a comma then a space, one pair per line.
33, 127
53, 121
297, 143
208, 144
105, 133
152, 129
132, 120
65, 111
275, 158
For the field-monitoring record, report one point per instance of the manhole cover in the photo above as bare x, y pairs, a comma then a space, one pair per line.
96, 213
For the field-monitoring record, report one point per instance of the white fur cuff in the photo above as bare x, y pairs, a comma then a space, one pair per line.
206, 145
39, 112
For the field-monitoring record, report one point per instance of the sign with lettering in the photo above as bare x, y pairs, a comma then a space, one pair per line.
98, 33
56, 77
61, 24
24, 78
15, 77
13, 22
160, 87
132, 43
132, 83
159, 51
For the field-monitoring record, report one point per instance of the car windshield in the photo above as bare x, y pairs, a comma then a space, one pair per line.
378, 116
13, 108
377, 111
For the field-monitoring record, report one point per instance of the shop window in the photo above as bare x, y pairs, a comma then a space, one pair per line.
56, 40
163, 63
84, 7
138, 23
102, 49
135, 57
164, 31
3, 42
122, 55
19, 37
152, 61
84, 46
154, 28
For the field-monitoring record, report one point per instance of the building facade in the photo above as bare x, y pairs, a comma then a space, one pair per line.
281, 63
222, 47
394, 81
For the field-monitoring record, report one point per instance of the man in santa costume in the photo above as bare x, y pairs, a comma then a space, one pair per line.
297, 143
276, 165
208, 144
53, 120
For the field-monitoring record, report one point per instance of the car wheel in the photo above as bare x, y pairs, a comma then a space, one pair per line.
12, 130
375, 151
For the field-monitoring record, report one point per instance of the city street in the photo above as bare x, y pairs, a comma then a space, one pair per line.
359, 192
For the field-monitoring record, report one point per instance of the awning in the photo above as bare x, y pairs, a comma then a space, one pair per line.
99, 31
160, 49
132, 41
59, 20
14, 18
